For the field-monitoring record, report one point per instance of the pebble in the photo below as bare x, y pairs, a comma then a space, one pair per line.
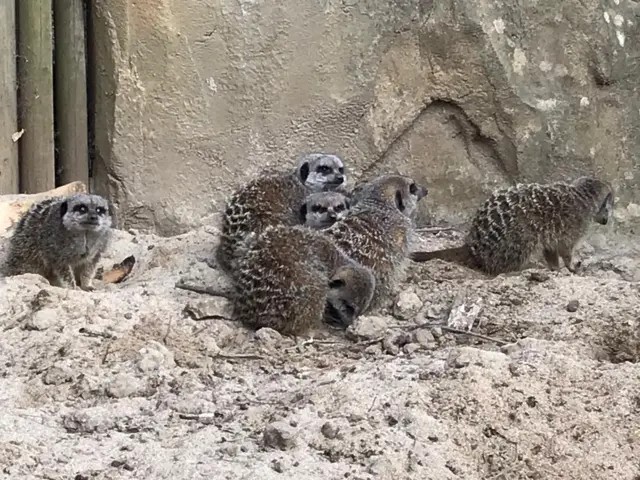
573, 306
407, 305
329, 430
279, 435
367, 327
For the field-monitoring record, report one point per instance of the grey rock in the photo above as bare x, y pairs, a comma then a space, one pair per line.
407, 305
279, 435
367, 327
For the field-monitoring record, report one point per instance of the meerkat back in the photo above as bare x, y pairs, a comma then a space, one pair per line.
275, 200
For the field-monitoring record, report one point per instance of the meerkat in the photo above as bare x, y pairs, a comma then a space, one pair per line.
378, 231
292, 279
61, 239
323, 209
275, 199
513, 223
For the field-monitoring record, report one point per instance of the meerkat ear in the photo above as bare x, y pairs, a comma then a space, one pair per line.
64, 207
399, 201
347, 204
303, 213
602, 217
304, 172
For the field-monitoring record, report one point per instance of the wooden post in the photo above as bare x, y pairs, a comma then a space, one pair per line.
35, 94
8, 99
71, 91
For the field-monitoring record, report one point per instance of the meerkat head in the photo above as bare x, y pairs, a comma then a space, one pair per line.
602, 194
399, 191
322, 172
350, 293
85, 212
323, 209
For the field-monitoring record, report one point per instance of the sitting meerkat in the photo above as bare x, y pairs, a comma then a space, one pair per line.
62, 239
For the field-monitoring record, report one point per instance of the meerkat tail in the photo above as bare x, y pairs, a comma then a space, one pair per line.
460, 255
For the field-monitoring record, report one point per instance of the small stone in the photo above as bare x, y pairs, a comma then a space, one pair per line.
538, 276
279, 465
268, 337
57, 376
214, 307
153, 356
410, 348
436, 332
424, 337
389, 346
211, 347
124, 385
573, 306
279, 435
42, 319
329, 430
367, 327
407, 305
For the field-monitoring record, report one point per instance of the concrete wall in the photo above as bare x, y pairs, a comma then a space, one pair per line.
195, 96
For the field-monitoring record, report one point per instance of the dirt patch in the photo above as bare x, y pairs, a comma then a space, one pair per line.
123, 382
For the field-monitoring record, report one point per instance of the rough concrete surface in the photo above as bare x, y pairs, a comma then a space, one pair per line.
125, 382
194, 97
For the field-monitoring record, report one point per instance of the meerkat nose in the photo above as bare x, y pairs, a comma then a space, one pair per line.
332, 215
339, 178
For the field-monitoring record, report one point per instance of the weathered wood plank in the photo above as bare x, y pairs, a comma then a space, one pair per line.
35, 95
8, 99
71, 91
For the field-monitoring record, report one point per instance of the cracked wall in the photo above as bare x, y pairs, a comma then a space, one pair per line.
193, 98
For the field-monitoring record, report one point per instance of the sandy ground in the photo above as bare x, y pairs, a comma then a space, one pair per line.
123, 382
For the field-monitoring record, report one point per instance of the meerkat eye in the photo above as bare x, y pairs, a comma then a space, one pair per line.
100, 211
413, 189
80, 209
323, 169
339, 207
316, 208
341, 169
323, 209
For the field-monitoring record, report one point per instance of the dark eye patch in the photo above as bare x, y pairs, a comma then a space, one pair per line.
339, 207
341, 169
100, 211
80, 208
323, 169
316, 208
337, 283
413, 189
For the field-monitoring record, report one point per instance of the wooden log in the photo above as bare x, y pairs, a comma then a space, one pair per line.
35, 95
8, 99
12, 207
71, 91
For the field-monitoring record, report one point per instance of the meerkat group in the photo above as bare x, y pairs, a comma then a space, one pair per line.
302, 251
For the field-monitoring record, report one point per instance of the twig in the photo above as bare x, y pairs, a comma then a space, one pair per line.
203, 290
239, 356
472, 334
434, 229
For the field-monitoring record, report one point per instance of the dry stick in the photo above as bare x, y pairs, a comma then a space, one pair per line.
203, 290
434, 229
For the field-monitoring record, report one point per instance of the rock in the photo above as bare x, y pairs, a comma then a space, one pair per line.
411, 348
125, 385
367, 327
57, 375
407, 305
268, 337
573, 306
154, 356
329, 430
209, 308
279, 435
483, 111
424, 337
42, 319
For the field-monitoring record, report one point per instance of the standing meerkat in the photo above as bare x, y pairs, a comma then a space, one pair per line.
513, 223
292, 279
61, 239
275, 199
323, 209
378, 231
